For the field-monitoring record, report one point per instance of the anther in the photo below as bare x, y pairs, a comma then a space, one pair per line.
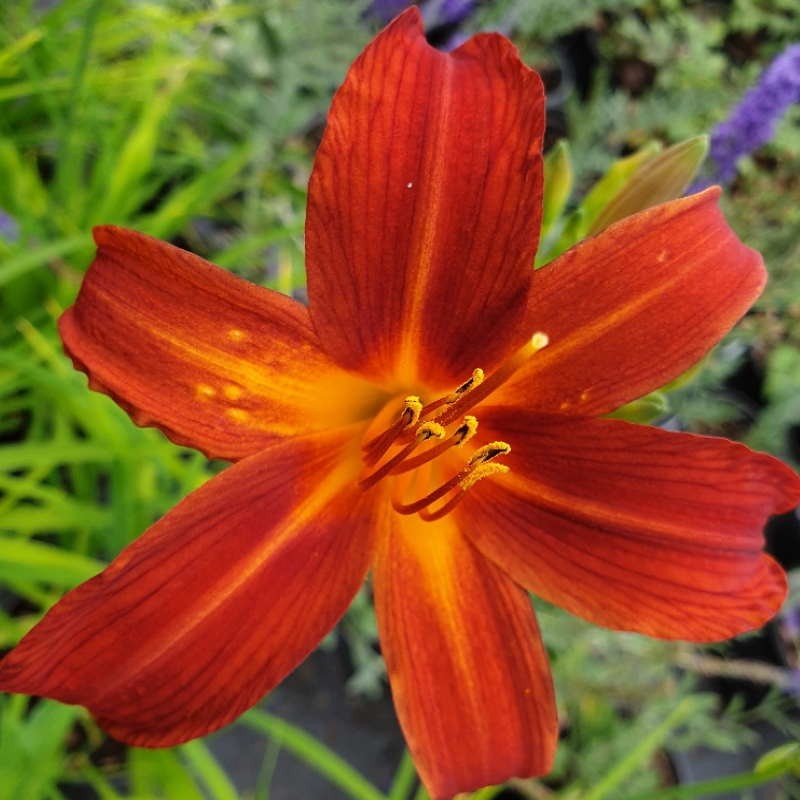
462, 434
430, 430
466, 431
480, 472
412, 408
488, 452
476, 379
409, 417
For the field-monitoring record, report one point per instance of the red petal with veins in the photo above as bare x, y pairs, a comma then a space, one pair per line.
213, 605
468, 671
633, 527
214, 361
634, 307
424, 207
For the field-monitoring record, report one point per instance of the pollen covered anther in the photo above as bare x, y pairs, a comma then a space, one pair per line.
427, 430
461, 435
463, 481
488, 452
480, 472
409, 417
466, 431
476, 379
475, 391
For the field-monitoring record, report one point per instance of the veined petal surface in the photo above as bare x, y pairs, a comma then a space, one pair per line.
195, 621
468, 671
632, 527
217, 363
634, 307
424, 207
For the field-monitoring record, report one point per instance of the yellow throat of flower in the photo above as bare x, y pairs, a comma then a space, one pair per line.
425, 426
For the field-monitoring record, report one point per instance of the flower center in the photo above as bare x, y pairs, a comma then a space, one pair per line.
424, 427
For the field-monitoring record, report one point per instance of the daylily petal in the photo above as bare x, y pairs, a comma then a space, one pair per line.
195, 621
468, 671
634, 307
632, 527
217, 363
424, 207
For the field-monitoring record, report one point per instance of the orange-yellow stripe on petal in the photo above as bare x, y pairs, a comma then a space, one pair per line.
195, 621
468, 671
217, 363
424, 207
627, 311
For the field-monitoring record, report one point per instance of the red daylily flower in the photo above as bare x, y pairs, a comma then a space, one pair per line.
422, 225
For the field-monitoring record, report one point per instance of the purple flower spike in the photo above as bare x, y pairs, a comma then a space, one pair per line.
442, 15
752, 123
9, 230
451, 12
386, 10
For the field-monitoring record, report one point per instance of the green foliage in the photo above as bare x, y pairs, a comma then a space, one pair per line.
196, 122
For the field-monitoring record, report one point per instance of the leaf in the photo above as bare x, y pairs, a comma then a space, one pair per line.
21, 559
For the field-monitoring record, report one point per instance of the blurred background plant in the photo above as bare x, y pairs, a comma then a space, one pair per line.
197, 122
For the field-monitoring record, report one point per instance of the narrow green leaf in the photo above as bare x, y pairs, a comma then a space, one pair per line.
404, 778
558, 177
21, 559
32, 258
314, 753
17, 48
208, 770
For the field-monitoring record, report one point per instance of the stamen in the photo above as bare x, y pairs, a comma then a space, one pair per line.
477, 463
476, 379
409, 417
432, 497
488, 452
462, 434
484, 388
467, 430
428, 430
480, 472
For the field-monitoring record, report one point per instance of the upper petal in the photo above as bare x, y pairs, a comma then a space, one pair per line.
208, 610
634, 527
469, 675
214, 361
424, 207
634, 307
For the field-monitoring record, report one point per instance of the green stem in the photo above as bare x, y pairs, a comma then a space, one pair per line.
403, 781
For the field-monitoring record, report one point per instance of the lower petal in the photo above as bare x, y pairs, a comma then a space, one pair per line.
211, 608
632, 527
468, 671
